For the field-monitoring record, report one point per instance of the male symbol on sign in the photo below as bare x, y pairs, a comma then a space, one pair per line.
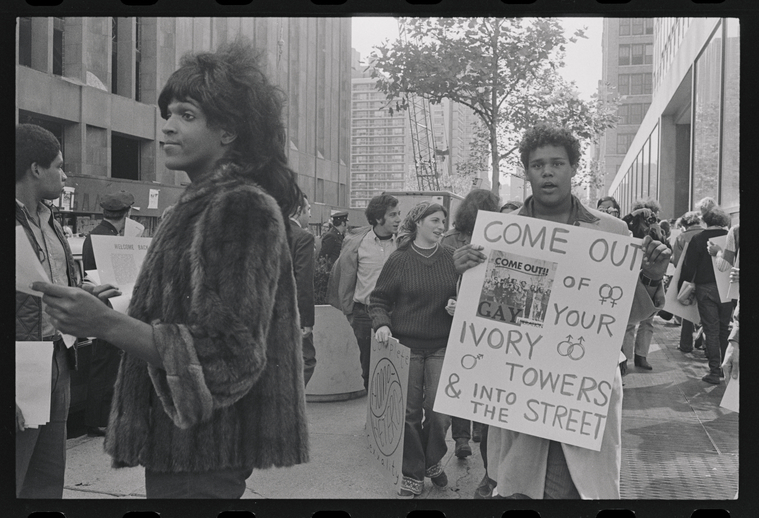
574, 351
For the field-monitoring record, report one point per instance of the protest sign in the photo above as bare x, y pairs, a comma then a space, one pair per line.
34, 369
721, 277
118, 260
671, 303
730, 399
536, 337
386, 406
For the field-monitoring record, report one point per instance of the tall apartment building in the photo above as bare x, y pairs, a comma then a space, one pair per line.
94, 82
380, 142
453, 128
687, 146
627, 53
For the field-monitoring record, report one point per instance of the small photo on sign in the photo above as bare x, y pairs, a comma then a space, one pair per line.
516, 290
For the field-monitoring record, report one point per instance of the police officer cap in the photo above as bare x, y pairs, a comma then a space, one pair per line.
117, 201
339, 215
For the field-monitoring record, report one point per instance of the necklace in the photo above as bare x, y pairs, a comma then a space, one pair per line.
418, 249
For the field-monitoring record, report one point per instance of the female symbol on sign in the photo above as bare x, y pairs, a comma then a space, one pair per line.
573, 351
468, 361
611, 293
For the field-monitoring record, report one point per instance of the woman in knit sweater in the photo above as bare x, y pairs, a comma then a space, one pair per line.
411, 303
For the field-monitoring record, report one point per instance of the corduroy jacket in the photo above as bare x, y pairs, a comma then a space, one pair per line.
217, 286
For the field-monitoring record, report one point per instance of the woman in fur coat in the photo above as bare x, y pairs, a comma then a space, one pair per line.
211, 382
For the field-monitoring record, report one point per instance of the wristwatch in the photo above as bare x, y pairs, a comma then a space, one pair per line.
647, 281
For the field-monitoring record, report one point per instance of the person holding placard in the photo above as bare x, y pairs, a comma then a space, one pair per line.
715, 314
354, 275
527, 466
104, 358
41, 452
411, 303
211, 382
691, 224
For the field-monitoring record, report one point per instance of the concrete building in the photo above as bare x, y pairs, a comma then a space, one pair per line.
453, 127
687, 146
380, 142
94, 82
627, 54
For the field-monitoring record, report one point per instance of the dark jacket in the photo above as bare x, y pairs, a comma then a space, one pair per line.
28, 307
302, 249
332, 242
697, 259
88, 257
217, 286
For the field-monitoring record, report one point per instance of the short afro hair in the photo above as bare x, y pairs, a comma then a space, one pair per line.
545, 135
34, 144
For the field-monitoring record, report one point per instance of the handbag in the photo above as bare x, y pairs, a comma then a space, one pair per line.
687, 294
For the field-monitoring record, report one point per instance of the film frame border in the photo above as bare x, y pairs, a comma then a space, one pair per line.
749, 18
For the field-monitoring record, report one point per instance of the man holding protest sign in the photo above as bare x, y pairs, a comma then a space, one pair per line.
531, 466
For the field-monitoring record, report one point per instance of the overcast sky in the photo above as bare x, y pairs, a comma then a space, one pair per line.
583, 61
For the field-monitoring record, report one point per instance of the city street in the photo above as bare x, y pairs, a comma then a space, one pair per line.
677, 444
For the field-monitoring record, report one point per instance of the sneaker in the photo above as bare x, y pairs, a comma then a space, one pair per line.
462, 448
711, 378
440, 480
405, 494
485, 489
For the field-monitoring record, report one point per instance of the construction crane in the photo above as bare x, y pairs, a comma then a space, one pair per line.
422, 138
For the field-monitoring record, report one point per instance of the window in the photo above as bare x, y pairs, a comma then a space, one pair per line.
649, 58
623, 142
649, 25
25, 41
58, 24
624, 113
623, 84
114, 54
647, 82
624, 55
636, 115
636, 84
637, 55
137, 58
637, 26
706, 126
125, 157
624, 26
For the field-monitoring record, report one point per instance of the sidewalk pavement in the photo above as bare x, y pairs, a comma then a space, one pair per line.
677, 443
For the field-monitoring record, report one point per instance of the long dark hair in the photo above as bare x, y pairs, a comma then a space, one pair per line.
234, 94
477, 199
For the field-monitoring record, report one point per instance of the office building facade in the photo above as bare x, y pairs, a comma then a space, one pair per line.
687, 146
94, 82
627, 69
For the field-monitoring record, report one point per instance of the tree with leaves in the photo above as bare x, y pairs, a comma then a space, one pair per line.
504, 69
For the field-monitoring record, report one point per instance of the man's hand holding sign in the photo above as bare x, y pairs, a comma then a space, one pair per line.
544, 373
536, 335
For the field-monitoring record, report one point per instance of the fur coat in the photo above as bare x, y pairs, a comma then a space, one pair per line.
218, 288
